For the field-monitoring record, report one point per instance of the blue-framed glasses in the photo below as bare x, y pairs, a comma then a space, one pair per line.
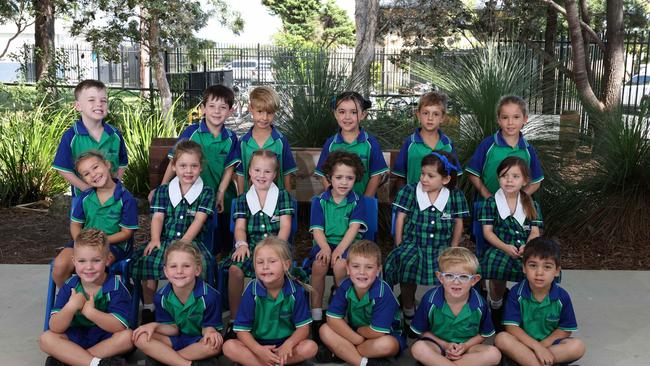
462, 278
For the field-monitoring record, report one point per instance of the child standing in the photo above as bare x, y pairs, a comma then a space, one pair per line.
219, 145
373, 331
272, 320
265, 210
264, 102
453, 321
188, 313
510, 219
180, 210
539, 316
338, 218
431, 112
90, 132
107, 206
349, 110
89, 321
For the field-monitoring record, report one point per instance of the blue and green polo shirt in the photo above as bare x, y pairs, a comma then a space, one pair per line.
277, 143
202, 308
434, 315
119, 211
113, 299
409, 159
335, 218
491, 152
272, 320
539, 319
378, 308
77, 140
368, 150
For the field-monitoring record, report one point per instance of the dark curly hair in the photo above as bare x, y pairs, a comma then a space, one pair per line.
433, 160
346, 158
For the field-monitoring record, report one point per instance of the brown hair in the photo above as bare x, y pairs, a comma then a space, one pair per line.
365, 248
543, 248
458, 256
185, 247
268, 154
86, 84
264, 98
433, 98
364, 103
92, 238
448, 169
346, 158
281, 248
218, 92
187, 147
91, 154
526, 200
512, 99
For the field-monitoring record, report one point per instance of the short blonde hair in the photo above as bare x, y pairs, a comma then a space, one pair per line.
185, 247
264, 98
458, 256
92, 238
365, 248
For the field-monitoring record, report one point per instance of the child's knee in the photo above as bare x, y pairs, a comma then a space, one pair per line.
319, 268
235, 273
326, 333
421, 351
308, 348
577, 347
123, 338
491, 355
46, 340
231, 347
504, 340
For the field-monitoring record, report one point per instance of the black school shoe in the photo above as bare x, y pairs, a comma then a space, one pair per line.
230, 332
206, 362
315, 327
383, 361
147, 316
148, 361
112, 361
51, 361
324, 355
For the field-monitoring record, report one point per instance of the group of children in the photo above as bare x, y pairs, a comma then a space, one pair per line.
210, 167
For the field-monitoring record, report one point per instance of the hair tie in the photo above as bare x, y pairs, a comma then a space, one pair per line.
449, 166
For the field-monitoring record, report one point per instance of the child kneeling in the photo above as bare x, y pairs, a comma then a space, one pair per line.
373, 331
453, 320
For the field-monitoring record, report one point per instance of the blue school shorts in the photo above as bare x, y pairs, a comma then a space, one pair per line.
87, 337
181, 341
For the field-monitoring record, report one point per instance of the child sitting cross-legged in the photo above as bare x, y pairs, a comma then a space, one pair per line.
453, 320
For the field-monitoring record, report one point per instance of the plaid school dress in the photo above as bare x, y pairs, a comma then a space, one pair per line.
428, 230
262, 223
179, 215
513, 229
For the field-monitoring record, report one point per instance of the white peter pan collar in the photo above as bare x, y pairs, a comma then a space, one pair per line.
175, 195
269, 205
424, 202
504, 210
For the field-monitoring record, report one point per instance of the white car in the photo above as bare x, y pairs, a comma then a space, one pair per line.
252, 70
636, 91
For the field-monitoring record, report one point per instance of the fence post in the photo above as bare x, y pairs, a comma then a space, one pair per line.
99, 69
78, 64
122, 64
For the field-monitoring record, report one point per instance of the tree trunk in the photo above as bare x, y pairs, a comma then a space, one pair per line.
586, 37
145, 76
43, 37
614, 55
548, 81
156, 61
365, 16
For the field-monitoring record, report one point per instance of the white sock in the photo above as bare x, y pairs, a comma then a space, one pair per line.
496, 304
363, 362
151, 307
95, 361
317, 314
409, 312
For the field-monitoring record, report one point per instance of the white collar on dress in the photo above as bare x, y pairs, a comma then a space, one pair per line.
269, 205
424, 202
504, 209
175, 195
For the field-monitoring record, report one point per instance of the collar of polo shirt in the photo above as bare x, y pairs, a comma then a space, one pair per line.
424, 202
253, 200
504, 210
175, 195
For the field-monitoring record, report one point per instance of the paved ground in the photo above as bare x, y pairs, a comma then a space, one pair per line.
612, 308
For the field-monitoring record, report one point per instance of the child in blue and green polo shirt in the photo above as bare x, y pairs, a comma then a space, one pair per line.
90, 132
219, 145
107, 206
263, 103
373, 332
431, 112
349, 110
539, 317
188, 313
338, 218
89, 321
453, 320
273, 317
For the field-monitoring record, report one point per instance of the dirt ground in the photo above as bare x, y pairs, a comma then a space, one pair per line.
35, 237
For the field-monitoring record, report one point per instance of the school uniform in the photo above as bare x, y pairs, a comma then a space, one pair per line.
119, 211
368, 150
428, 230
378, 309
113, 299
434, 315
260, 221
334, 219
277, 143
409, 160
512, 229
77, 140
202, 309
179, 212
271, 321
539, 318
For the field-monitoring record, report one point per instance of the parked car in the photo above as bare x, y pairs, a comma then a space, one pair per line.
636, 91
252, 70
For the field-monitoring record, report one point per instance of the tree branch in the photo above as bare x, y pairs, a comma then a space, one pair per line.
20, 30
583, 25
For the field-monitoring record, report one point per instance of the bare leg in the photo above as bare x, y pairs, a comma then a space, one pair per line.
304, 350
568, 350
237, 352
384, 346
149, 288
63, 267
160, 348
198, 351
407, 295
117, 344
429, 354
340, 272
235, 289
318, 273
497, 289
60, 347
517, 351
340, 346
480, 355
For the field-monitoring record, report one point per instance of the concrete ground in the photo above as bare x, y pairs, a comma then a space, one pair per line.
612, 308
